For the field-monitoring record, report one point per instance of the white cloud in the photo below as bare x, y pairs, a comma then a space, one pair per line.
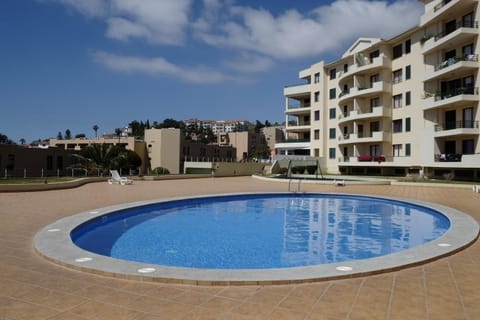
159, 22
157, 67
248, 63
330, 27
89, 8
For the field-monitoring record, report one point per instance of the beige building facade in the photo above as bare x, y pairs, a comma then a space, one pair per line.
407, 105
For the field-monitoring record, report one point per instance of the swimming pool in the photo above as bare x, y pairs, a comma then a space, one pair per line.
261, 231
257, 237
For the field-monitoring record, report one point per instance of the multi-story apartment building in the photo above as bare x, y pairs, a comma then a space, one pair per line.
392, 107
219, 126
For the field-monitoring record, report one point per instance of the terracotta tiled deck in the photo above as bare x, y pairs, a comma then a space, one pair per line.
33, 288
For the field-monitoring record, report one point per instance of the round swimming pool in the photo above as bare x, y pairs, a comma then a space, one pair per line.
261, 231
257, 237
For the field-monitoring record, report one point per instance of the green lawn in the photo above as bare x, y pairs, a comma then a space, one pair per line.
35, 180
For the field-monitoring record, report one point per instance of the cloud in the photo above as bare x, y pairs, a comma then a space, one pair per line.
327, 28
247, 63
157, 67
89, 8
159, 22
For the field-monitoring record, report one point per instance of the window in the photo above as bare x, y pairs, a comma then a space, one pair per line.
374, 78
332, 94
331, 153
317, 96
397, 125
408, 45
333, 74
468, 21
332, 113
408, 98
408, 72
317, 115
316, 134
468, 146
317, 77
397, 76
332, 133
375, 102
397, 101
374, 54
408, 149
374, 126
345, 68
397, 51
49, 162
408, 124
397, 150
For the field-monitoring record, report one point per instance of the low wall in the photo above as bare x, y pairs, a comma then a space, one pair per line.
224, 169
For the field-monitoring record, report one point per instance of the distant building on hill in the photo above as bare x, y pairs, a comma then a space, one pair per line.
219, 126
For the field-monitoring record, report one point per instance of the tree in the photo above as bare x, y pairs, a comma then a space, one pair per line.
59, 136
68, 134
80, 136
5, 140
95, 128
23, 141
105, 157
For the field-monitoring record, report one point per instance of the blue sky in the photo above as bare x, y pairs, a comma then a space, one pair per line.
70, 64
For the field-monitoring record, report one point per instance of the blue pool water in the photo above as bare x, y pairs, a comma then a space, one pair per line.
261, 230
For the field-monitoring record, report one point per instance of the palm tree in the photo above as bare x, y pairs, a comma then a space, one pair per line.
95, 128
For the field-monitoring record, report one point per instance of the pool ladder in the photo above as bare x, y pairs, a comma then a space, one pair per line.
291, 186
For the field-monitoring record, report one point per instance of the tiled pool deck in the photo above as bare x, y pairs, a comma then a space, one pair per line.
33, 288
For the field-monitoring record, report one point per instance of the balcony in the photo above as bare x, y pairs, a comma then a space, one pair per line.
366, 64
299, 90
376, 136
298, 110
463, 33
442, 9
290, 144
455, 160
298, 127
377, 112
458, 65
458, 98
456, 128
364, 92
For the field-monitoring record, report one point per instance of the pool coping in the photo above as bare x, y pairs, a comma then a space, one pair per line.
54, 243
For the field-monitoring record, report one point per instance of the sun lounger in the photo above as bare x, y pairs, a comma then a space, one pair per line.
116, 178
339, 183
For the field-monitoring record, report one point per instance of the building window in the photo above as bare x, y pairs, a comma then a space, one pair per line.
332, 113
408, 45
397, 125
331, 153
316, 152
408, 98
333, 74
397, 76
317, 77
317, 115
468, 146
10, 162
397, 150
408, 149
375, 102
374, 126
316, 134
332, 133
374, 78
49, 162
397, 101
374, 54
345, 68
317, 96
408, 124
408, 72
397, 51
333, 93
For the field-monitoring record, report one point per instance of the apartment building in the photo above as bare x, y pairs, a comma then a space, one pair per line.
393, 107
219, 126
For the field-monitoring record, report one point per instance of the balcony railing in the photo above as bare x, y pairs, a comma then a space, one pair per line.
290, 107
461, 124
440, 5
455, 92
294, 140
462, 24
448, 157
452, 61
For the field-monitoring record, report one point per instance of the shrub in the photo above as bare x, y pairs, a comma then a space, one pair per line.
160, 170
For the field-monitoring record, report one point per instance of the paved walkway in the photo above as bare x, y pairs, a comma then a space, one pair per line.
33, 288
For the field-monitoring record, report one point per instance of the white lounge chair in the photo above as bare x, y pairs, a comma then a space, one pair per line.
116, 178
476, 188
339, 183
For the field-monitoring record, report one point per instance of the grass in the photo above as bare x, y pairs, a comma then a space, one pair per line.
35, 180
